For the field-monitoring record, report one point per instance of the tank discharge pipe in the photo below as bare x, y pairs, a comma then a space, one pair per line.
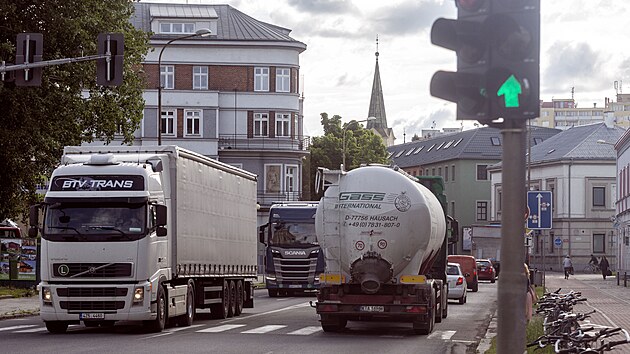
371, 271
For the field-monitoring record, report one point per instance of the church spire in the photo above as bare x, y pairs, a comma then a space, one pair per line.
377, 103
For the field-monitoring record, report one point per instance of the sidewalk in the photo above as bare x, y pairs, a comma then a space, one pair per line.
18, 307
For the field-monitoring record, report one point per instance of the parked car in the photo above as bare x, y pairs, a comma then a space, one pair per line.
456, 282
485, 270
497, 266
469, 268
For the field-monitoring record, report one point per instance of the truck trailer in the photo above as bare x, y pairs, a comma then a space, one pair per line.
293, 257
384, 235
144, 233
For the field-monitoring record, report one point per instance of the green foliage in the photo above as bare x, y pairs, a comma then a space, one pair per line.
362, 147
37, 122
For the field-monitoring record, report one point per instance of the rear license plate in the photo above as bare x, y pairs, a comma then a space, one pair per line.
92, 316
370, 308
295, 286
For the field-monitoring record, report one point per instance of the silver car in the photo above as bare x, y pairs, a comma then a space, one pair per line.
456, 283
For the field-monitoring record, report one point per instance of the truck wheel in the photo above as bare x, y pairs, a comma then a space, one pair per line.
186, 319
422, 327
232, 298
445, 310
273, 292
159, 323
240, 298
56, 327
333, 323
220, 311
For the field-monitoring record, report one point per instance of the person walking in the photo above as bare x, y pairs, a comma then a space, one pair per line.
604, 265
568, 265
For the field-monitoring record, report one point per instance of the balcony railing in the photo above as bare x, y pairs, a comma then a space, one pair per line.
266, 198
243, 142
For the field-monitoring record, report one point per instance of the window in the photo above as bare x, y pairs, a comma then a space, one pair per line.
537, 141
193, 122
495, 141
261, 124
167, 27
167, 123
400, 153
167, 76
290, 182
261, 79
200, 77
457, 142
431, 148
426, 171
452, 172
482, 172
433, 172
599, 196
599, 243
498, 201
453, 209
449, 144
551, 241
409, 152
283, 124
418, 149
482, 210
439, 171
283, 80
445, 173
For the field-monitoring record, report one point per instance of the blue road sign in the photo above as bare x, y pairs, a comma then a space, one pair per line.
539, 205
557, 241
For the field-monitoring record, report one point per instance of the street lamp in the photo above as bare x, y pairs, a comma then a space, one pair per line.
202, 32
344, 138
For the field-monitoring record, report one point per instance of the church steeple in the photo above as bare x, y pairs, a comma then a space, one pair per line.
377, 107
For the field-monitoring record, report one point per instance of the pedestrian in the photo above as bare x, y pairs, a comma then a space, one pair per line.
530, 297
603, 265
568, 265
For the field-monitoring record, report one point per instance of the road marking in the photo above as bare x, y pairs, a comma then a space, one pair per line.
219, 329
264, 329
306, 331
15, 327
444, 335
268, 312
32, 330
177, 329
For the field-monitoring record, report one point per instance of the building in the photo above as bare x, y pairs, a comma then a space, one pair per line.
580, 173
620, 109
564, 113
462, 160
621, 221
377, 109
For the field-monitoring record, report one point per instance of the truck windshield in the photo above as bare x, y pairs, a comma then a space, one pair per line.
293, 233
95, 222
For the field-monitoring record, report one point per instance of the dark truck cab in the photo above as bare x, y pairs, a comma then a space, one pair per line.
293, 257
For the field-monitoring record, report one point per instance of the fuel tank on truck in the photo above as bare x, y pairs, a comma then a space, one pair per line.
376, 223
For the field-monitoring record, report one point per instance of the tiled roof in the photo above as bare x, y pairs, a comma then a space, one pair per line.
477, 144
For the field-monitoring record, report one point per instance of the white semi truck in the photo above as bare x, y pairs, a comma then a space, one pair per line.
145, 233
384, 237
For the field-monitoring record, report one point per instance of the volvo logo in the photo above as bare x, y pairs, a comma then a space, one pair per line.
63, 270
91, 270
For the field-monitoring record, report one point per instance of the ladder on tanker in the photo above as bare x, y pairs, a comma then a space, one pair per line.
331, 221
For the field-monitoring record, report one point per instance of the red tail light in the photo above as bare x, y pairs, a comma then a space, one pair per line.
328, 308
416, 309
460, 281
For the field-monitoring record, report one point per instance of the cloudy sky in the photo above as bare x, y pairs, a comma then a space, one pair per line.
584, 44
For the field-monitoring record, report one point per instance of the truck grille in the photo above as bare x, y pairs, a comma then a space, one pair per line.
92, 305
91, 292
298, 270
92, 270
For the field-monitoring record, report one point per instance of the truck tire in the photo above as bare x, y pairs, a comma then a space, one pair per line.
332, 323
240, 298
445, 309
273, 292
220, 311
422, 327
158, 324
186, 319
56, 327
232, 298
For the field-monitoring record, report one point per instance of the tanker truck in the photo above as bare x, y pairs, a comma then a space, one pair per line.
144, 233
384, 234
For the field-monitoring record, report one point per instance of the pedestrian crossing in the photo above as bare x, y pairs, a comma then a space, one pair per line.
280, 329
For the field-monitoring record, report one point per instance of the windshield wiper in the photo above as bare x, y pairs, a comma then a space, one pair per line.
122, 233
71, 237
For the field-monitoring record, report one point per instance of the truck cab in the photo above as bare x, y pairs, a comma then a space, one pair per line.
293, 257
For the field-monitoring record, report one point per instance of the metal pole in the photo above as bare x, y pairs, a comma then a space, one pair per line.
512, 287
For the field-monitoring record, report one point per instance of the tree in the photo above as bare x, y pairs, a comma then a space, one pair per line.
362, 147
415, 137
37, 122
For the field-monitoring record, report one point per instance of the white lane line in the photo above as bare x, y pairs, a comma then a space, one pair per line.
306, 331
177, 329
32, 330
306, 304
264, 329
219, 329
444, 335
15, 327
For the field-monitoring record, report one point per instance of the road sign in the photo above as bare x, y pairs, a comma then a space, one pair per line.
539, 204
557, 241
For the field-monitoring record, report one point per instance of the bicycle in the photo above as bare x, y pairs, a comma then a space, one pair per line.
592, 268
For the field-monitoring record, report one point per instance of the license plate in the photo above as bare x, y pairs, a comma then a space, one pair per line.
370, 308
92, 316
295, 286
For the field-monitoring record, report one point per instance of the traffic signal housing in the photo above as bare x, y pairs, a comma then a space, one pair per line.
109, 71
30, 48
498, 47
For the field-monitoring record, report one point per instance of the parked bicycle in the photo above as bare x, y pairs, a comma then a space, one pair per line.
592, 268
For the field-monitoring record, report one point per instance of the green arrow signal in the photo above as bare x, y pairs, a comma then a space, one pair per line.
510, 90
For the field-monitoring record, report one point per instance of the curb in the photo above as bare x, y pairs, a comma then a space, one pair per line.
19, 314
5, 297
491, 332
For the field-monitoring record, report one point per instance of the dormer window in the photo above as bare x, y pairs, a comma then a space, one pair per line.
177, 28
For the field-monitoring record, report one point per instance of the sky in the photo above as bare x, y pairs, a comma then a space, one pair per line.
584, 46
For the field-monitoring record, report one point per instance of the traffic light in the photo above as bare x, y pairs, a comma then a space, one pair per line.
109, 71
30, 47
497, 44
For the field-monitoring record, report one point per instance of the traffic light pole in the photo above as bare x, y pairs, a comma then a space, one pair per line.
513, 285
41, 64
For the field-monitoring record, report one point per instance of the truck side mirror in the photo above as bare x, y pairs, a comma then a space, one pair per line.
160, 231
160, 215
261, 233
33, 220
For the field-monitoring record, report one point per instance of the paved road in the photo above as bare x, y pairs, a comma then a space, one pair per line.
276, 325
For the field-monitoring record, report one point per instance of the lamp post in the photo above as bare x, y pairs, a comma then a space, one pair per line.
343, 152
203, 32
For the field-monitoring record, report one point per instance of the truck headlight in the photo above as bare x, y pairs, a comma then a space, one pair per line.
275, 251
46, 295
138, 294
271, 278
